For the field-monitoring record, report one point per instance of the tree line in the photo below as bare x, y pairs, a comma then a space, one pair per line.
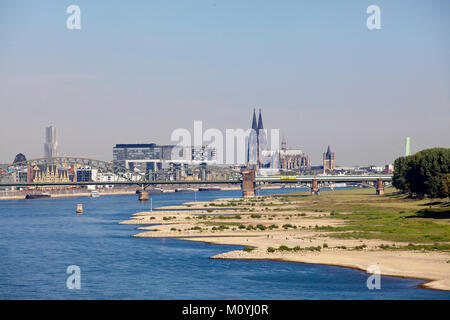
424, 174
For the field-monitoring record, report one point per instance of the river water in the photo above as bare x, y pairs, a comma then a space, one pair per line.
39, 239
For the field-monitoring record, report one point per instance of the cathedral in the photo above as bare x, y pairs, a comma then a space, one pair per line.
260, 156
293, 159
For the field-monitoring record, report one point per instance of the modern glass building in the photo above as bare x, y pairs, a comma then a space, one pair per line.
123, 153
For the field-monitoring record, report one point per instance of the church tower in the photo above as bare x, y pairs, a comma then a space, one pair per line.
328, 161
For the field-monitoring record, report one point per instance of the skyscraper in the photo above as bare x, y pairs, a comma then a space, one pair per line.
51, 142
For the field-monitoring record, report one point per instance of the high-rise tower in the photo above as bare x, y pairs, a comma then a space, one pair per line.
51, 142
408, 146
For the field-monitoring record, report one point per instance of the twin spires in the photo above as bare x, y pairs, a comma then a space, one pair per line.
257, 125
257, 141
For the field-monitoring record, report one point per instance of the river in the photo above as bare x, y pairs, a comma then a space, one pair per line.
39, 239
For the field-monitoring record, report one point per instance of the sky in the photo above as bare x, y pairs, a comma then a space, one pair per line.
138, 70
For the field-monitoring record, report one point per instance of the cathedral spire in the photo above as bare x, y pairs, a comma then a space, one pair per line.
254, 124
260, 123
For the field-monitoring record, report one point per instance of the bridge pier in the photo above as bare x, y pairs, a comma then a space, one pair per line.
248, 183
314, 187
380, 186
143, 194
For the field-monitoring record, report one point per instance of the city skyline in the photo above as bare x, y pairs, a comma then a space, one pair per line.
322, 81
51, 148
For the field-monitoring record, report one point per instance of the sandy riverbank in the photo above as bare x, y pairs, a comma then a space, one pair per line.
292, 229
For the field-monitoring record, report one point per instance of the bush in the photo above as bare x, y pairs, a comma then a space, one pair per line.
248, 249
270, 249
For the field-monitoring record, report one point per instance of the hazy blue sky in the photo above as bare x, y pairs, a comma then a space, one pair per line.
137, 70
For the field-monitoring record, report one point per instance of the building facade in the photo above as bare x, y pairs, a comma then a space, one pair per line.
203, 154
129, 152
293, 159
151, 158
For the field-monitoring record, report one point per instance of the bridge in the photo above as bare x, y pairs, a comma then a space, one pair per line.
246, 177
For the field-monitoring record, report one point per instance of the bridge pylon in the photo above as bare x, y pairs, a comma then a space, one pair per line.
248, 183
314, 187
143, 195
380, 186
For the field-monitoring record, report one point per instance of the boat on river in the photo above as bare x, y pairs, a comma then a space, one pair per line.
38, 196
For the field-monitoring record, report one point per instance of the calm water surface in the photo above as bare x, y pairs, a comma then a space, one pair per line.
39, 239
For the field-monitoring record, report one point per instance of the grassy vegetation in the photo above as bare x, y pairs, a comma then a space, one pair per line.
229, 217
410, 246
295, 249
220, 223
248, 249
391, 217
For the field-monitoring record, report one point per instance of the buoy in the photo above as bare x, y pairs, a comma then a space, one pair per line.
79, 208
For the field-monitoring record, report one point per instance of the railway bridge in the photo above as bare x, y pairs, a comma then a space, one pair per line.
247, 178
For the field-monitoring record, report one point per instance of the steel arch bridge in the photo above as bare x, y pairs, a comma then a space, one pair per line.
124, 175
67, 162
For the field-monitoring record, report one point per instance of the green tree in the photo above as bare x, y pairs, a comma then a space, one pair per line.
424, 173
446, 185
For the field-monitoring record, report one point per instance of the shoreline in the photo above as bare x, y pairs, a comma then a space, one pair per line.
21, 194
432, 268
68, 195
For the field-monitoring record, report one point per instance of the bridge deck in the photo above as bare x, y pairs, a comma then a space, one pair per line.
276, 179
